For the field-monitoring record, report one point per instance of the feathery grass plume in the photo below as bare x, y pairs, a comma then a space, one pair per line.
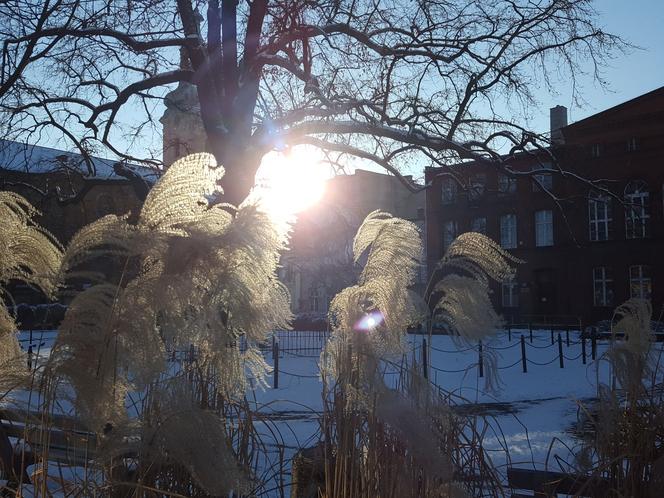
175, 433
29, 253
110, 235
197, 277
32, 255
377, 311
626, 448
462, 299
383, 441
182, 194
88, 355
478, 256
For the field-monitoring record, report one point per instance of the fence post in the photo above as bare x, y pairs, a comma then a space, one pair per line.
274, 341
523, 354
481, 360
583, 349
560, 351
30, 356
593, 348
425, 367
530, 327
552, 336
275, 354
567, 336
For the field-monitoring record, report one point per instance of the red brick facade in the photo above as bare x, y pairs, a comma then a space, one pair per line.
576, 276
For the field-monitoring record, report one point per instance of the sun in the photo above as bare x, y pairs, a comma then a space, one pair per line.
290, 182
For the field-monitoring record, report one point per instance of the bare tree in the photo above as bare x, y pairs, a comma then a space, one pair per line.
389, 81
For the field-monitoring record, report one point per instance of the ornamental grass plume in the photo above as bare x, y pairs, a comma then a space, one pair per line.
625, 448
461, 298
404, 441
29, 254
189, 274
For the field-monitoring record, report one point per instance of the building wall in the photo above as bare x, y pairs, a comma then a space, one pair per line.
558, 280
320, 261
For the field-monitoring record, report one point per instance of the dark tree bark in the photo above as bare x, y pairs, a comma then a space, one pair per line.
391, 83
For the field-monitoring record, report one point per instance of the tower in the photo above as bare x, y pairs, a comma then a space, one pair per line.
183, 131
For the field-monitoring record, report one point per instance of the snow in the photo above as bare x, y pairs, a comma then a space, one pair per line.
529, 412
529, 420
26, 158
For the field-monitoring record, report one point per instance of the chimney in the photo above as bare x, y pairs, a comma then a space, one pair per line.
558, 117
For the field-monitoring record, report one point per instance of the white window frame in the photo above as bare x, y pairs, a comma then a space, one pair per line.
640, 282
450, 232
632, 144
602, 286
508, 231
544, 228
637, 215
543, 179
478, 225
510, 294
506, 184
600, 217
449, 191
477, 186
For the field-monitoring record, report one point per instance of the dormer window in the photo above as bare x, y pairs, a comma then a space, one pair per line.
596, 150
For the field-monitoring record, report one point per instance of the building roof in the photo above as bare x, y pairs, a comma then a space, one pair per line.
620, 111
36, 159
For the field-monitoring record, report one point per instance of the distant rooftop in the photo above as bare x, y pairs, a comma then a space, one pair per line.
36, 159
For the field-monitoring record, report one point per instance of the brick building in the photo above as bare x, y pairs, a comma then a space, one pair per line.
61, 185
598, 243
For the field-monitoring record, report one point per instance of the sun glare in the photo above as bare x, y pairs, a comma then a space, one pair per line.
290, 182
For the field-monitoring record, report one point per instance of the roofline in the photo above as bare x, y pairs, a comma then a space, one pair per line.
615, 108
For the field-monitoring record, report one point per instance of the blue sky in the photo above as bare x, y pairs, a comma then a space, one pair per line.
639, 22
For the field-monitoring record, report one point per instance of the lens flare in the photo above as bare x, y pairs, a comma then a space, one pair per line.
290, 182
369, 321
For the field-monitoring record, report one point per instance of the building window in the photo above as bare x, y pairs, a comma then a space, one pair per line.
640, 282
317, 300
637, 213
632, 144
449, 233
599, 216
506, 184
602, 286
544, 228
104, 204
595, 150
542, 181
510, 294
508, 231
449, 190
477, 186
478, 225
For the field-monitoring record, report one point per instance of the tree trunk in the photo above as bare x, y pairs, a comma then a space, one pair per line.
240, 166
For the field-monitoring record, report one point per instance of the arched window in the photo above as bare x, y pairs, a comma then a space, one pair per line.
600, 216
637, 212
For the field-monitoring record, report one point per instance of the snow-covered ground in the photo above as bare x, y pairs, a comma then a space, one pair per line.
530, 416
529, 411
